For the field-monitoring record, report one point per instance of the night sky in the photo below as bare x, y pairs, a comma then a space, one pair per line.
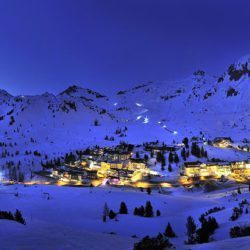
106, 45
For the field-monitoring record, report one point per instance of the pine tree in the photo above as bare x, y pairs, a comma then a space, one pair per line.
190, 225
123, 208
212, 224
185, 141
96, 122
158, 213
155, 243
202, 152
183, 154
169, 231
136, 211
20, 177
112, 215
19, 217
170, 168
176, 158
163, 163
159, 157
149, 210
152, 154
105, 212
141, 211
170, 157
203, 233
149, 190
205, 154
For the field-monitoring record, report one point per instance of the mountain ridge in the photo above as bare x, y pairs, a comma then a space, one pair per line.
171, 110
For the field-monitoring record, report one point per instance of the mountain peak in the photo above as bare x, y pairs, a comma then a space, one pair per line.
239, 68
71, 89
243, 61
199, 73
75, 90
4, 93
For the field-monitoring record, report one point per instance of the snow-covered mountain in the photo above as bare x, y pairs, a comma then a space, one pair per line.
213, 105
78, 117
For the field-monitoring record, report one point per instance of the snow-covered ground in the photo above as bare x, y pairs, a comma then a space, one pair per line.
72, 217
55, 124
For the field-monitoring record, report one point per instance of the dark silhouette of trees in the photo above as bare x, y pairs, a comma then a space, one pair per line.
149, 210
155, 243
169, 231
123, 208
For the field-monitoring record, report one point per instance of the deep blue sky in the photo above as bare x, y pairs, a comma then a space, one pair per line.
106, 45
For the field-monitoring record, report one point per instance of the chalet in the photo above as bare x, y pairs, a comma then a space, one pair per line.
192, 169
216, 169
120, 173
222, 142
116, 155
157, 148
131, 164
136, 164
211, 169
241, 168
73, 174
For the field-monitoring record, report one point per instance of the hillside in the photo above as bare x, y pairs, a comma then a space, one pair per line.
79, 117
67, 221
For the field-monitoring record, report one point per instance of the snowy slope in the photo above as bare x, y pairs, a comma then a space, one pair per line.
55, 124
213, 105
72, 217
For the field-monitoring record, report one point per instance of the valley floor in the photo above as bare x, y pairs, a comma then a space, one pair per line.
72, 217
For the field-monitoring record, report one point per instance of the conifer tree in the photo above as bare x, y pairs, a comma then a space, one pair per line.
141, 211
191, 228
185, 141
159, 157
136, 211
149, 210
170, 157
169, 231
203, 233
176, 158
19, 217
183, 154
163, 162
112, 215
202, 152
105, 212
170, 168
152, 154
123, 208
